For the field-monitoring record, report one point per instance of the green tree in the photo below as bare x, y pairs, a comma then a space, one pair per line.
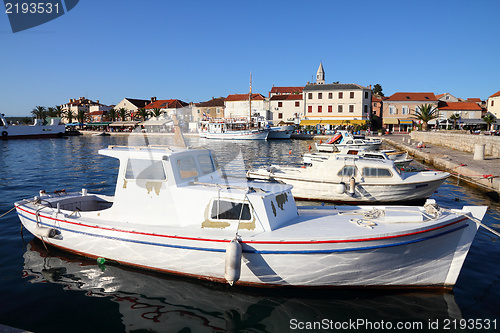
454, 117
51, 112
156, 112
489, 119
69, 115
143, 113
123, 114
377, 90
59, 111
81, 116
112, 114
426, 113
40, 112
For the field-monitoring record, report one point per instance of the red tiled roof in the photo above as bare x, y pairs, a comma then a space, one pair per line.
459, 106
212, 103
286, 90
475, 100
412, 96
292, 97
495, 94
166, 104
243, 97
439, 96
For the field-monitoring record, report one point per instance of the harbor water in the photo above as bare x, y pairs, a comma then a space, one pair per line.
46, 290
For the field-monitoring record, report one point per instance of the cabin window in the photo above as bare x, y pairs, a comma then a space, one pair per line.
376, 172
187, 167
379, 157
348, 171
206, 164
230, 210
145, 169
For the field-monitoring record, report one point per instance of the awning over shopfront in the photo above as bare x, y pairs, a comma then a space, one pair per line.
102, 123
124, 124
390, 121
310, 122
405, 122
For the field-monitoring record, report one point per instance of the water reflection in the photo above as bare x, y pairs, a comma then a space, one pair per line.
153, 303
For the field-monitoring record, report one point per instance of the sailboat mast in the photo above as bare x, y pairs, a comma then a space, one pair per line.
250, 99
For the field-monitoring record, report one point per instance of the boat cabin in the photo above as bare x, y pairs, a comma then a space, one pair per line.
161, 186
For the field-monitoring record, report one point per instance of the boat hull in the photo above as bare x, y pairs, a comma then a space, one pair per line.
281, 132
238, 135
31, 132
431, 255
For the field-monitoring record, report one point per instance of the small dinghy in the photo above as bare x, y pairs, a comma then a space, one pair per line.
173, 212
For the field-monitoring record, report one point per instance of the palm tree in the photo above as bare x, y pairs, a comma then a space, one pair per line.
426, 113
51, 111
489, 119
112, 114
123, 113
156, 112
39, 112
81, 116
59, 111
454, 117
143, 113
69, 115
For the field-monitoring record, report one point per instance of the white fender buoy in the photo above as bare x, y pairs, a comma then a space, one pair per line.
233, 261
45, 232
352, 185
340, 188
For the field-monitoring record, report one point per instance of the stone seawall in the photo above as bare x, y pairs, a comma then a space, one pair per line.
462, 142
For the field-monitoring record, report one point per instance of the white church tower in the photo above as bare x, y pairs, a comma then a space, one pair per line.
320, 75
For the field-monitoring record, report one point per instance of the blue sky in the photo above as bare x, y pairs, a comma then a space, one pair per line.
196, 50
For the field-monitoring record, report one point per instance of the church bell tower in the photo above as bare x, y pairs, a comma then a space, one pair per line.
320, 75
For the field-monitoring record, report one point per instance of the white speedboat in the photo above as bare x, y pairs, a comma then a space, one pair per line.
400, 159
173, 212
344, 139
354, 179
37, 130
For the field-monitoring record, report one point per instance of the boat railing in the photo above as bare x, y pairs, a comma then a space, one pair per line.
248, 189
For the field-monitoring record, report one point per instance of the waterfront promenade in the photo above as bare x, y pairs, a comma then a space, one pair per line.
484, 174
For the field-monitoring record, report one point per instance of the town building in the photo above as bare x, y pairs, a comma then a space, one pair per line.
334, 104
399, 109
238, 105
286, 109
171, 106
89, 107
493, 104
132, 105
447, 97
211, 109
460, 114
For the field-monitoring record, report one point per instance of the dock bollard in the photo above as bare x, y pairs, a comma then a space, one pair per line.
479, 151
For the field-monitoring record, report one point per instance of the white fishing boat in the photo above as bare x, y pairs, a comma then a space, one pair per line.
344, 139
354, 179
37, 130
281, 132
234, 129
400, 159
173, 212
